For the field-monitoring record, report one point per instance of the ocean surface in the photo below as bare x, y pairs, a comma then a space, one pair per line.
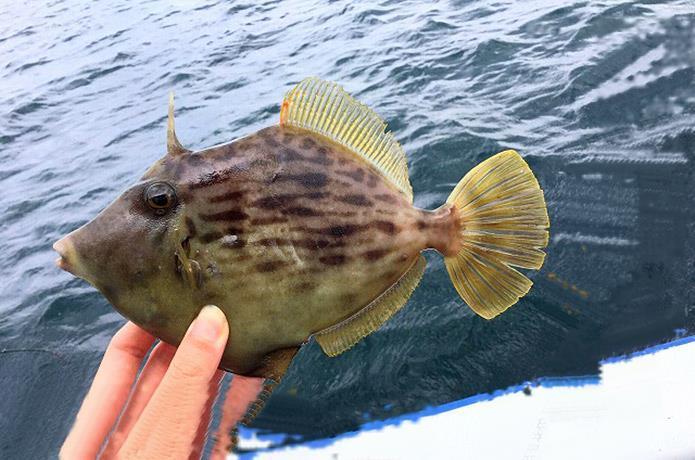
599, 97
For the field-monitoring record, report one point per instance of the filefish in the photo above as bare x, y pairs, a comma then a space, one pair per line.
304, 229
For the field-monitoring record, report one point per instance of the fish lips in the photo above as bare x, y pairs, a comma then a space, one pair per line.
66, 250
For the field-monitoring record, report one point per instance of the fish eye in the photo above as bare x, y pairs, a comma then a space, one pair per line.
160, 196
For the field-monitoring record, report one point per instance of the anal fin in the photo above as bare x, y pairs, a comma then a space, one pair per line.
273, 368
256, 406
344, 335
275, 364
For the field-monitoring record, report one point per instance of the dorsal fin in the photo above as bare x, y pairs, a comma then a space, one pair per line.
325, 108
174, 147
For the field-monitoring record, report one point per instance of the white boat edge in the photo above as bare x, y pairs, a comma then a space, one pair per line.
642, 406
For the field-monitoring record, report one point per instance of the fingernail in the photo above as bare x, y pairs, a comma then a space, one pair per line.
209, 324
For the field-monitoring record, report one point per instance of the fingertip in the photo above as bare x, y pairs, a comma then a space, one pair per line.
210, 326
200, 351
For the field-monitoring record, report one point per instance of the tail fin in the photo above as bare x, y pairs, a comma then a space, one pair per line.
503, 224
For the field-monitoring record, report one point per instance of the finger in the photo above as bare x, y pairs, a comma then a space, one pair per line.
147, 383
201, 434
241, 393
170, 421
108, 393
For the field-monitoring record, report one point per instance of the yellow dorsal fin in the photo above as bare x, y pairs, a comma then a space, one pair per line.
344, 335
325, 108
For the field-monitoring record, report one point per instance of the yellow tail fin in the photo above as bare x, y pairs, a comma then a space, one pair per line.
503, 224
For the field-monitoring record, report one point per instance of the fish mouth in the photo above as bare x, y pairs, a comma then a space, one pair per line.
66, 253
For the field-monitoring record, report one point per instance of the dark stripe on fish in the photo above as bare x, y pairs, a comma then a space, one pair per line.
336, 259
357, 174
278, 201
342, 230
349, 229
321, 156
268, 220
273, 242
387, 227
321, 244
302, 212
226, 197
355, 200
308, 180
268, 202
308, 143
232, 215
375, 254
386, 198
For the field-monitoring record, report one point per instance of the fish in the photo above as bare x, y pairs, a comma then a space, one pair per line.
304, 229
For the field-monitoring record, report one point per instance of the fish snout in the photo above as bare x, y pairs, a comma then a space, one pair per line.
68, 256
72, 258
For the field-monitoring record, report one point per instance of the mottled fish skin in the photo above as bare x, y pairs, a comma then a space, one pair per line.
292, 233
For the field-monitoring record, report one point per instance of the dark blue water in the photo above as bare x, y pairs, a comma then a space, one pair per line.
598, 96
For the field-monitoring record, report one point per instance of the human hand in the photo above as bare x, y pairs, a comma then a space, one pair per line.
165, 412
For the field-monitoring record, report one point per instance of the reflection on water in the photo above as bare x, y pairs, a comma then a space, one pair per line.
599, 98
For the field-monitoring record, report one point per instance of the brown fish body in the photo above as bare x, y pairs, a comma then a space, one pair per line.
293, 233
304, 229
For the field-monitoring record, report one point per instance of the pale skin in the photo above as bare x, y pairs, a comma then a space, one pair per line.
164, 412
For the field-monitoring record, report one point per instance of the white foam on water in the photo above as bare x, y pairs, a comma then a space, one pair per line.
594, 239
